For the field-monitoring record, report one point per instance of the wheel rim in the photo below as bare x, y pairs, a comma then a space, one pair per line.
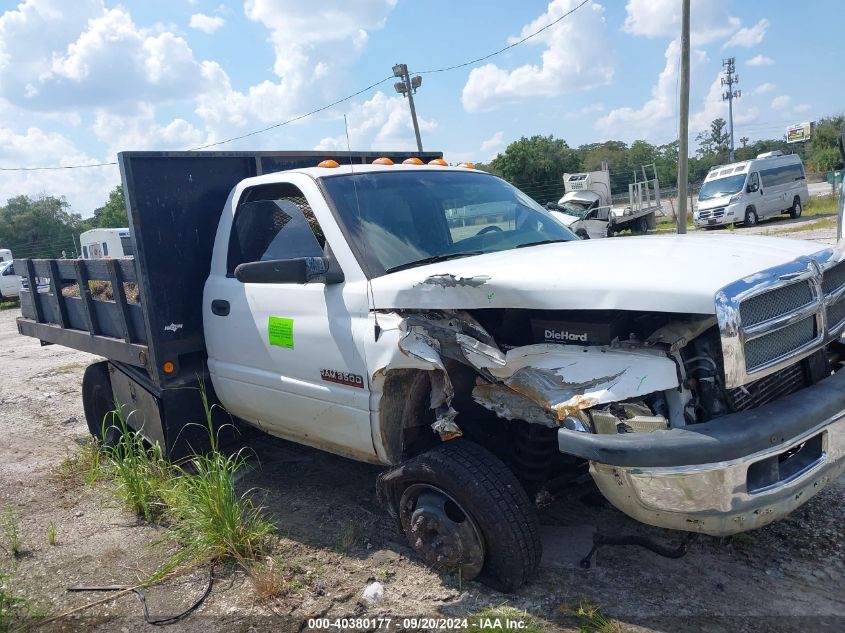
797, 207
751, 218
439, 529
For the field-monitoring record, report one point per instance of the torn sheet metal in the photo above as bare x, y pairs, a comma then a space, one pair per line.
566, 379
455, 281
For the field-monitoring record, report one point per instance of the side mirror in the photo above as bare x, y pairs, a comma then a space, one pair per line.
301, 270
752, 188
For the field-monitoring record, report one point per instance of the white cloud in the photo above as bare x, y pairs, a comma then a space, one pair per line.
662, 18
104, 61
760, 60
781, 102
206, 23
749, 36
381, 122
85, 189
801, 108
577, 57
494, 143
764, 88
593, 108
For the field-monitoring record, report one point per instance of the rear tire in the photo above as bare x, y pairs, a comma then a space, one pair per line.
472, 480
750, 217
98, 403
796, 208
640, 227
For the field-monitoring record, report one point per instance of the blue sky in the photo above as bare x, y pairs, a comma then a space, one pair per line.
82, 80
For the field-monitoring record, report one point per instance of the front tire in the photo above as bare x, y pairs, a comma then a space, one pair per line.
796, 208
463, 510
750, 217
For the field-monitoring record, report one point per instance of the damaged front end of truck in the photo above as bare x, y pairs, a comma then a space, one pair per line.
715, 421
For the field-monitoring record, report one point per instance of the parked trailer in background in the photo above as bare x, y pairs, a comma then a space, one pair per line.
101, 243
5, 255
587, 205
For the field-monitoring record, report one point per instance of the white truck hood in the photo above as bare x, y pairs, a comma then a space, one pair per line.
712, 203
563, 218
659, 274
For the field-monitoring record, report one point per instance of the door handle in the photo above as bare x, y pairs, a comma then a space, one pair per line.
220, 307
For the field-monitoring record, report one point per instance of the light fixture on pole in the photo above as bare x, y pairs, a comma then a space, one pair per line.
407, 87
729, 95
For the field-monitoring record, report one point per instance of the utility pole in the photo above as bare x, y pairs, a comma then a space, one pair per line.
683, 127
407, 87
730, 94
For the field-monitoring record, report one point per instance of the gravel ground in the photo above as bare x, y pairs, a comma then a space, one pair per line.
333, 539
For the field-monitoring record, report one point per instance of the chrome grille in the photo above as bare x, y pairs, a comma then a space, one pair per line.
835, 315
780, 343
834, 278
775, 303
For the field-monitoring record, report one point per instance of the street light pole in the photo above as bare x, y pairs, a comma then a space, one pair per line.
408, 87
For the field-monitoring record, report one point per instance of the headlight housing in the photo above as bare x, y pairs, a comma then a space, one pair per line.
736, 197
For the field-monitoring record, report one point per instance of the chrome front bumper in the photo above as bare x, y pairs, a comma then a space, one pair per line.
733, 496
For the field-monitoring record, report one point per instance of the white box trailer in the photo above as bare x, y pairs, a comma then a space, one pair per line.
102, 243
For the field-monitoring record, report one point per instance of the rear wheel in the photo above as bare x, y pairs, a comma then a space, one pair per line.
98, 403
640, 226
750, 217
795, 209
462, 510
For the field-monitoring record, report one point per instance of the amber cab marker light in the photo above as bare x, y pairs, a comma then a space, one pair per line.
467, 165
168, 367
412, 161
438, 161
384, 160
328, 163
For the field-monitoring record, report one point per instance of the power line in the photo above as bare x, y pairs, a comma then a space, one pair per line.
506, 48
330, 105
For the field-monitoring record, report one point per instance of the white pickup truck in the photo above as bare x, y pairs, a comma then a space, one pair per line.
477, 357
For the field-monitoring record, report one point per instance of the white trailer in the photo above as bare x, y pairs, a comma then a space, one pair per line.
103, 243
587, 205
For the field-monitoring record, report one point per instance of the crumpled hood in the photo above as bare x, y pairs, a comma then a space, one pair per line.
661, 274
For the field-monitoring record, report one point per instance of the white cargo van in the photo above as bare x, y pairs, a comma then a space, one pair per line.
5, 255
101, 243
752, 190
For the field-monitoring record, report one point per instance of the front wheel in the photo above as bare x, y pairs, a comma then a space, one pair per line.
462, 510
795, 209
750, 217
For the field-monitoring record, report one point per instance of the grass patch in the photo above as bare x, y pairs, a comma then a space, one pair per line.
268, 579
350, 535
9, 303
589, 618
503, 618
825, 223
12, 609
12, 538
83, 466
52, 535
822, 205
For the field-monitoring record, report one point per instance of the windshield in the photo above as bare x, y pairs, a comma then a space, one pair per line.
571, 208
395, 220
721, 187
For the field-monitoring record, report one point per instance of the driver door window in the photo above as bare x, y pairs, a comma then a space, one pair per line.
753, 182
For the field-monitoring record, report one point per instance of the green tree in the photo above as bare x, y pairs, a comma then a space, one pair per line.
714, 142
113, 214
537, 165
822, 149
40, 227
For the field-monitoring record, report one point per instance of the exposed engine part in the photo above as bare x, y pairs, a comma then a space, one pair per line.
627, 417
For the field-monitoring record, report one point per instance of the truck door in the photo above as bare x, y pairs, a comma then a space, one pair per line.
284, 355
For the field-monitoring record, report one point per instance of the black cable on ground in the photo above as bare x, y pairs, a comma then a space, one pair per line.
143, 599
600, 540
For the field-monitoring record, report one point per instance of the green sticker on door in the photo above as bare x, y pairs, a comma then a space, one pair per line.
280, 332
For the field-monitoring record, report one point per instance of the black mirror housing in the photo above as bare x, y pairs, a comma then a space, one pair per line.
301, 270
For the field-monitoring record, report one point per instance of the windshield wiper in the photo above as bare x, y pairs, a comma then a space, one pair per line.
542, 242
433, 259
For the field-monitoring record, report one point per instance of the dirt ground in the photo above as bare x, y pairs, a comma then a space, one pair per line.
334, 539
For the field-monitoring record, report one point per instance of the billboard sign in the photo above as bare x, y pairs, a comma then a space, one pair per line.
799, 133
